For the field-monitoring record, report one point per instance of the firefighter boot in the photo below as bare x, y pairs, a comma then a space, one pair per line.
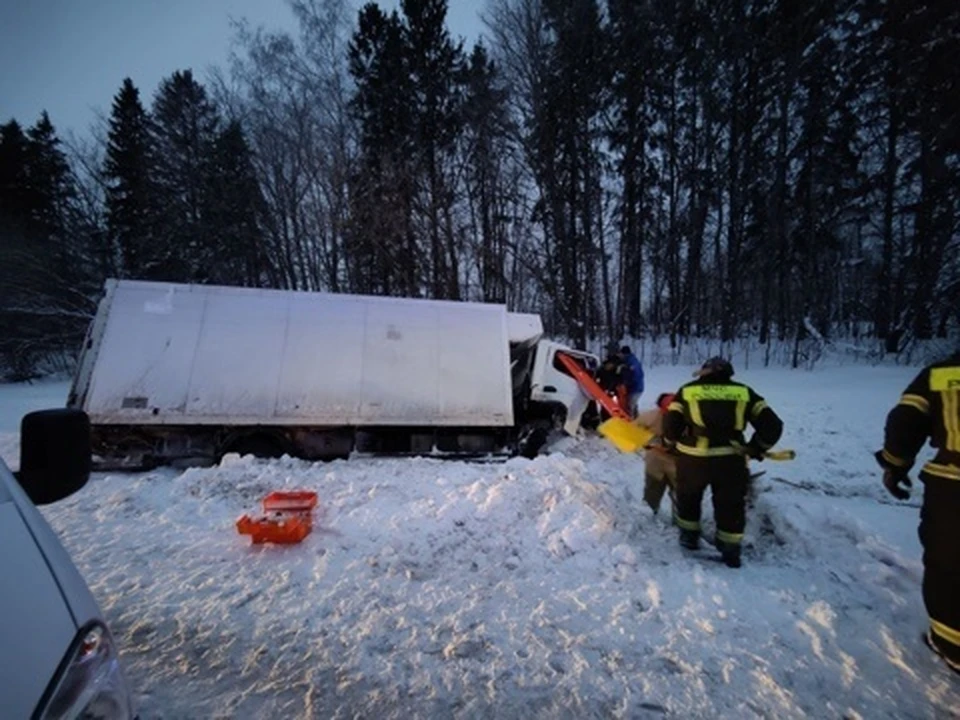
932, 644
690, 539
730, 552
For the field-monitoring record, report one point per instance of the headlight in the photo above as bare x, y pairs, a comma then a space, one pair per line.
90, 684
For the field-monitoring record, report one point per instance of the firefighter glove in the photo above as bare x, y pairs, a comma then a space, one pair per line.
892, 481
753, 450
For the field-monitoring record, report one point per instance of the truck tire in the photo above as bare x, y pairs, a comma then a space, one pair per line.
532, 441
259, 444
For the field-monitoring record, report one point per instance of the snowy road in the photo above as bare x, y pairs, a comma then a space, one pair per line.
533, 588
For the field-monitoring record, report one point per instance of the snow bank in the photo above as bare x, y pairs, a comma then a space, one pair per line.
539, 588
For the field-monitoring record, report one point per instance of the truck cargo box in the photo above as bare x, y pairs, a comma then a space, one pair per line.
165, 353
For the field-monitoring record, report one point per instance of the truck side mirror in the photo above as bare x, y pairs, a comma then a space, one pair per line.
55, 455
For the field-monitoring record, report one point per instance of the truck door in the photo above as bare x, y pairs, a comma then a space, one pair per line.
551, 383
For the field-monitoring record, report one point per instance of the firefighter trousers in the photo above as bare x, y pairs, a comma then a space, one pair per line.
727, 477
940, 537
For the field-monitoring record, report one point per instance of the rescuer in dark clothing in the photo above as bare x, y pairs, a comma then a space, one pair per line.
930, 408
609, 378
704, 425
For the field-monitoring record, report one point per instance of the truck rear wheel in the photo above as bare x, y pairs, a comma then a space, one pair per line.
259, 444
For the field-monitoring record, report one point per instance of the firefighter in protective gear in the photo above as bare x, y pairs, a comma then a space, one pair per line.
930, 408
659, 467
705, 425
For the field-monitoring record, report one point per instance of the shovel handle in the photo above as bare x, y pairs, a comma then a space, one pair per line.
780, 454
769, 455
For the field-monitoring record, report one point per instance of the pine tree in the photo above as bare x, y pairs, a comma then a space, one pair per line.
926, 31
131, 194
13, 175
50, 183
46, 279
235, 250
16, 359
632, 32
408, 74
184, 130
486, 125
435, 64
568, 159
384, 255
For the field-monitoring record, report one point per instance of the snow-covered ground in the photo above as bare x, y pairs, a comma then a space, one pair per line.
541, 588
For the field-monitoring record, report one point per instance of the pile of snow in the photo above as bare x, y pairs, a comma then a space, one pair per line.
541, 588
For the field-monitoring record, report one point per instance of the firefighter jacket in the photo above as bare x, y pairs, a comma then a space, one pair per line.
928, 408
708, 417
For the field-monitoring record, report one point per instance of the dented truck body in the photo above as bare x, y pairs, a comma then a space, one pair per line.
182, 372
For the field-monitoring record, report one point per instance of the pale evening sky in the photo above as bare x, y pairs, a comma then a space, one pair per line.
70, 56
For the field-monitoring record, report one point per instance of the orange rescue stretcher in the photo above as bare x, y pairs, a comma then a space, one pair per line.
287, 519
619, 429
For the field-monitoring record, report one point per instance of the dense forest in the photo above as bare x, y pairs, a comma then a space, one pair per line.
675, 169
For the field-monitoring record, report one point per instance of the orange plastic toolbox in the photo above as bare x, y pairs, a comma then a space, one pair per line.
288, 518
282, 531
290, 501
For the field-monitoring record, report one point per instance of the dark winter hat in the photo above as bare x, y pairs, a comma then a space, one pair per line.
715, 366
664, 400
625, 350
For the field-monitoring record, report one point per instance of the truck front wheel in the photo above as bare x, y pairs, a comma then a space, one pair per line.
532, 440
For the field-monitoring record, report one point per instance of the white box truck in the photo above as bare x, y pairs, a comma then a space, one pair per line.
187, 373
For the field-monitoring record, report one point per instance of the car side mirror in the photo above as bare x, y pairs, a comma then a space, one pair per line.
55, 455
